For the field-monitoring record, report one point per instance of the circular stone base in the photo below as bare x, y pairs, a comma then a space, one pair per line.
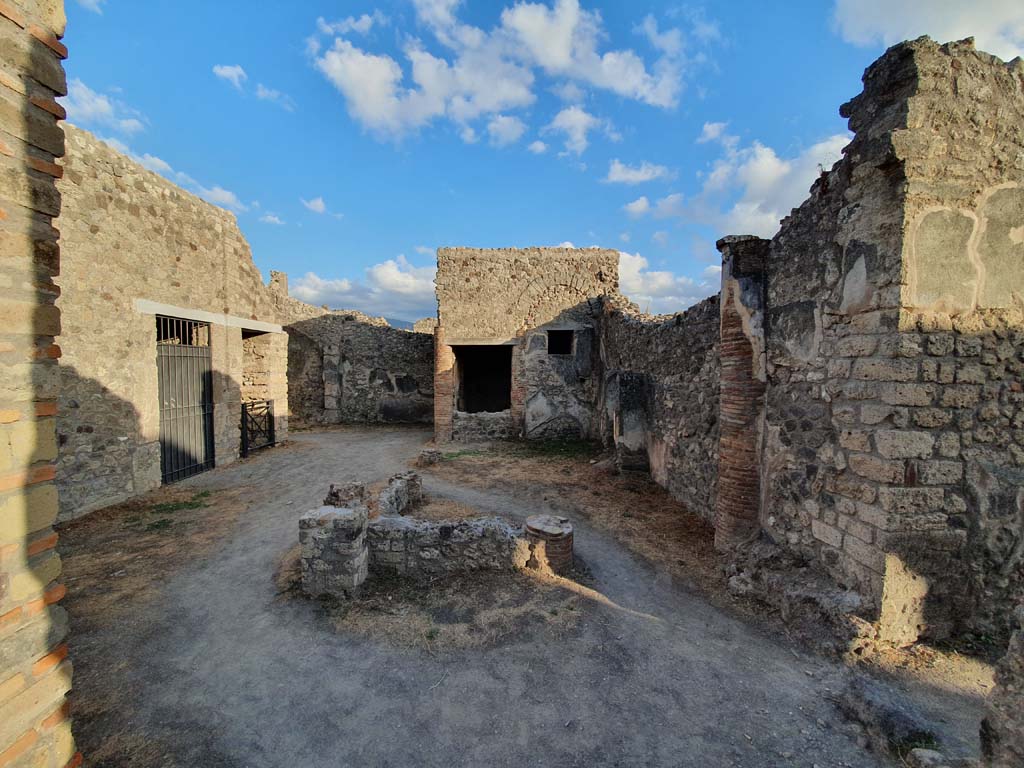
551, 540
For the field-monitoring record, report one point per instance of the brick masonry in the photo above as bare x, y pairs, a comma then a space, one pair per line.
35, 672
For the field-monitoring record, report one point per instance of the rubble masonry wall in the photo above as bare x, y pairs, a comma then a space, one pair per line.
893, 449
346, 367
131, 236
514, 296
659, 396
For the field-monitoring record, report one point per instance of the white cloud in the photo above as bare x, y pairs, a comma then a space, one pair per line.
424, 250
479, 82
569, 92
620, 173
316, 205
576, 124
713, 271
538, 147
563, 40
505, 130
394, 288
638, 207
711, 132
565, 244
96, 110
655, 291
270, 218
96, 6
222, 197
660, 237
996, 25
363, 24
232, 73
151, 162
483, 74
624, 237
669, 42
269, 94
668, 206
768, 186
750, 189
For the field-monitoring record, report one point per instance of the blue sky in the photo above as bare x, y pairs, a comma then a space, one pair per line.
353, 138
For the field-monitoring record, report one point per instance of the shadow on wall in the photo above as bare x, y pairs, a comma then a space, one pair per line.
102, 457
105, 456
342, 370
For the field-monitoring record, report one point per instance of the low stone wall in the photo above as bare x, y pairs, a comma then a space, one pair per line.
334, 557
425, 549
659, 401
467, 427
401, 493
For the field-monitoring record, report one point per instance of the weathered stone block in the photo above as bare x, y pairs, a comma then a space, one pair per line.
904, 444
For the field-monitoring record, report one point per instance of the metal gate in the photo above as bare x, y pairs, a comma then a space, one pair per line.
257, 425
185, 375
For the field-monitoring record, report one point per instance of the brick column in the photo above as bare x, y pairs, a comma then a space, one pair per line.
741, 354
444, 387
34, 725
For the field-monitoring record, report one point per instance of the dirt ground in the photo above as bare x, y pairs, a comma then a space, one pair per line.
192, 647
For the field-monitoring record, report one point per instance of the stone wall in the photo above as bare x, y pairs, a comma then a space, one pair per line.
345, 367
1002, 730
426, 549
515, 296
162, 251
659, 396
35, 673
892, 450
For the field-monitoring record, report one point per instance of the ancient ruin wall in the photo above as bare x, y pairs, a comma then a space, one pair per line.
345, 367
659, 401
131, 236
34, 671
892, 444
514, 296
962, 293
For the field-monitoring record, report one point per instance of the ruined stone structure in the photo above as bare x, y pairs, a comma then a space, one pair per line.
34, 671
891, 445
515, 342
164, 253
659, 396
854, 394
345, 367
341, 544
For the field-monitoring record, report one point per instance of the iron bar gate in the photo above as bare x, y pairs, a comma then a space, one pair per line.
185, 375
257, 425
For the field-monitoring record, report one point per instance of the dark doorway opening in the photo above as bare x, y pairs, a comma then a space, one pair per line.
485, 378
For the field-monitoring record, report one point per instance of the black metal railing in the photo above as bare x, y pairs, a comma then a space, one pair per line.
257, 425
185, 379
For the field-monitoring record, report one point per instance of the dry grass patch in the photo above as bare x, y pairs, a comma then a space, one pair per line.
116, 557
471, 611
630, 506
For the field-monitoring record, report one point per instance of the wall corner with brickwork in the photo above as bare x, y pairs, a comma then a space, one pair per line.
35, 673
